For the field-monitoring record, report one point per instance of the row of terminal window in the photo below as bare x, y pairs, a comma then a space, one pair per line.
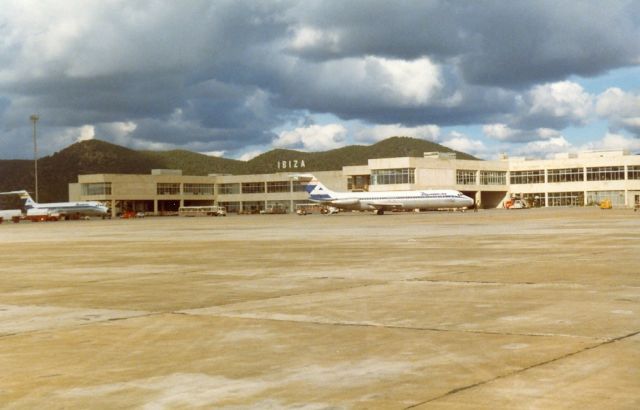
230, 188
612, 173
104, 188
396, 176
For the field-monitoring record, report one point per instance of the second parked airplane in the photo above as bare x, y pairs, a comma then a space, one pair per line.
61, 209
384, 200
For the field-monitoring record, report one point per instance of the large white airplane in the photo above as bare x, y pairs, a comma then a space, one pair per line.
383, 200
67, 210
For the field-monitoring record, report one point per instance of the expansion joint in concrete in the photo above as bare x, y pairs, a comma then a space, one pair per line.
524, 369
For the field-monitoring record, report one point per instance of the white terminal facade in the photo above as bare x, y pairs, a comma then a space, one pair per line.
581, 179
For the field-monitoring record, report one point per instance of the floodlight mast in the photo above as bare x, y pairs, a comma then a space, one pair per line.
34, 119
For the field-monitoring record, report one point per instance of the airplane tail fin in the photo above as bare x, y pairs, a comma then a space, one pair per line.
317, 190
24, 196
29, 202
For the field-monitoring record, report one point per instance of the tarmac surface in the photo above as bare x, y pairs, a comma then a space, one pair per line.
521, 309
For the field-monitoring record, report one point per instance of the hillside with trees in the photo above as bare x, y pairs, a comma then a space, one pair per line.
56, 171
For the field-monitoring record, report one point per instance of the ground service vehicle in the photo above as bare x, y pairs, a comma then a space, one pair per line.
212, 210
606, 204
41, 215
516, 204
13, 215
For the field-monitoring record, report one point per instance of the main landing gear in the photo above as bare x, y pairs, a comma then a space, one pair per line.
379, 211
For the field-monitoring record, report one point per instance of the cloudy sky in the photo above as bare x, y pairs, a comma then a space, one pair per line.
236, 78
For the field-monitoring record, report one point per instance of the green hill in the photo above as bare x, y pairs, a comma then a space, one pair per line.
352, 155
193, 163
56, 171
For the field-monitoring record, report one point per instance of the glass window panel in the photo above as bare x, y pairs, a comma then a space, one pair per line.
230, 207
299, 186
565, 175
198, 189
98, 188
168, 188
228, 189
279, 186
527, 177
493, 177
534, 199
393, 176
252, 187
605, 173
252, 207
566, 199
466, 177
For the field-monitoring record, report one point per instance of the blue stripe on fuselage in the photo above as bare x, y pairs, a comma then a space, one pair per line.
321, 197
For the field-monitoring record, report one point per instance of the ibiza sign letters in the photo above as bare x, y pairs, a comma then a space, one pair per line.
291, 164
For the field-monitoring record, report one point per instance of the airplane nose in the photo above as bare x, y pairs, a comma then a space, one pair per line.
470, 201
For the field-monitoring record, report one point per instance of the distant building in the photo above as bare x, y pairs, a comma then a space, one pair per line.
579, 179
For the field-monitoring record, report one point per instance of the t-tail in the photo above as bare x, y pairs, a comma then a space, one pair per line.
24, 196
28, 201
317, 191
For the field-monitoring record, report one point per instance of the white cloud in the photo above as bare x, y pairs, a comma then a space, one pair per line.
500, 132
141, 144
243, 68
460, 142
305, 37
616, 101
621, 108
313, 137
543, 111
387, 81
545, 149
120, 132
85, 39
547, 133
68, 136
412, 81
563, 99
249, 155
87, 132
218, 154
615, 141
380, 132
503, 132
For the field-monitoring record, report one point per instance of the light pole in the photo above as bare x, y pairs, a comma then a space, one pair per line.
34, 119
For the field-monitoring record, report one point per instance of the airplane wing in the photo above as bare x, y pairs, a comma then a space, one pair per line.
15, 193
385, 205
301, 177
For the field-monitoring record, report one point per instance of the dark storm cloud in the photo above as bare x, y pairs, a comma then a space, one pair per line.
529, 42
404, 30
68, 101
509, 44
224, 74
184, 133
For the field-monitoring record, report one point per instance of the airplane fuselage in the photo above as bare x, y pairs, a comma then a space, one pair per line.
63, 209
425, 199
90, 208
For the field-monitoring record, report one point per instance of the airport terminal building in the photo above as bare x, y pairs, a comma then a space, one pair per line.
581, 179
